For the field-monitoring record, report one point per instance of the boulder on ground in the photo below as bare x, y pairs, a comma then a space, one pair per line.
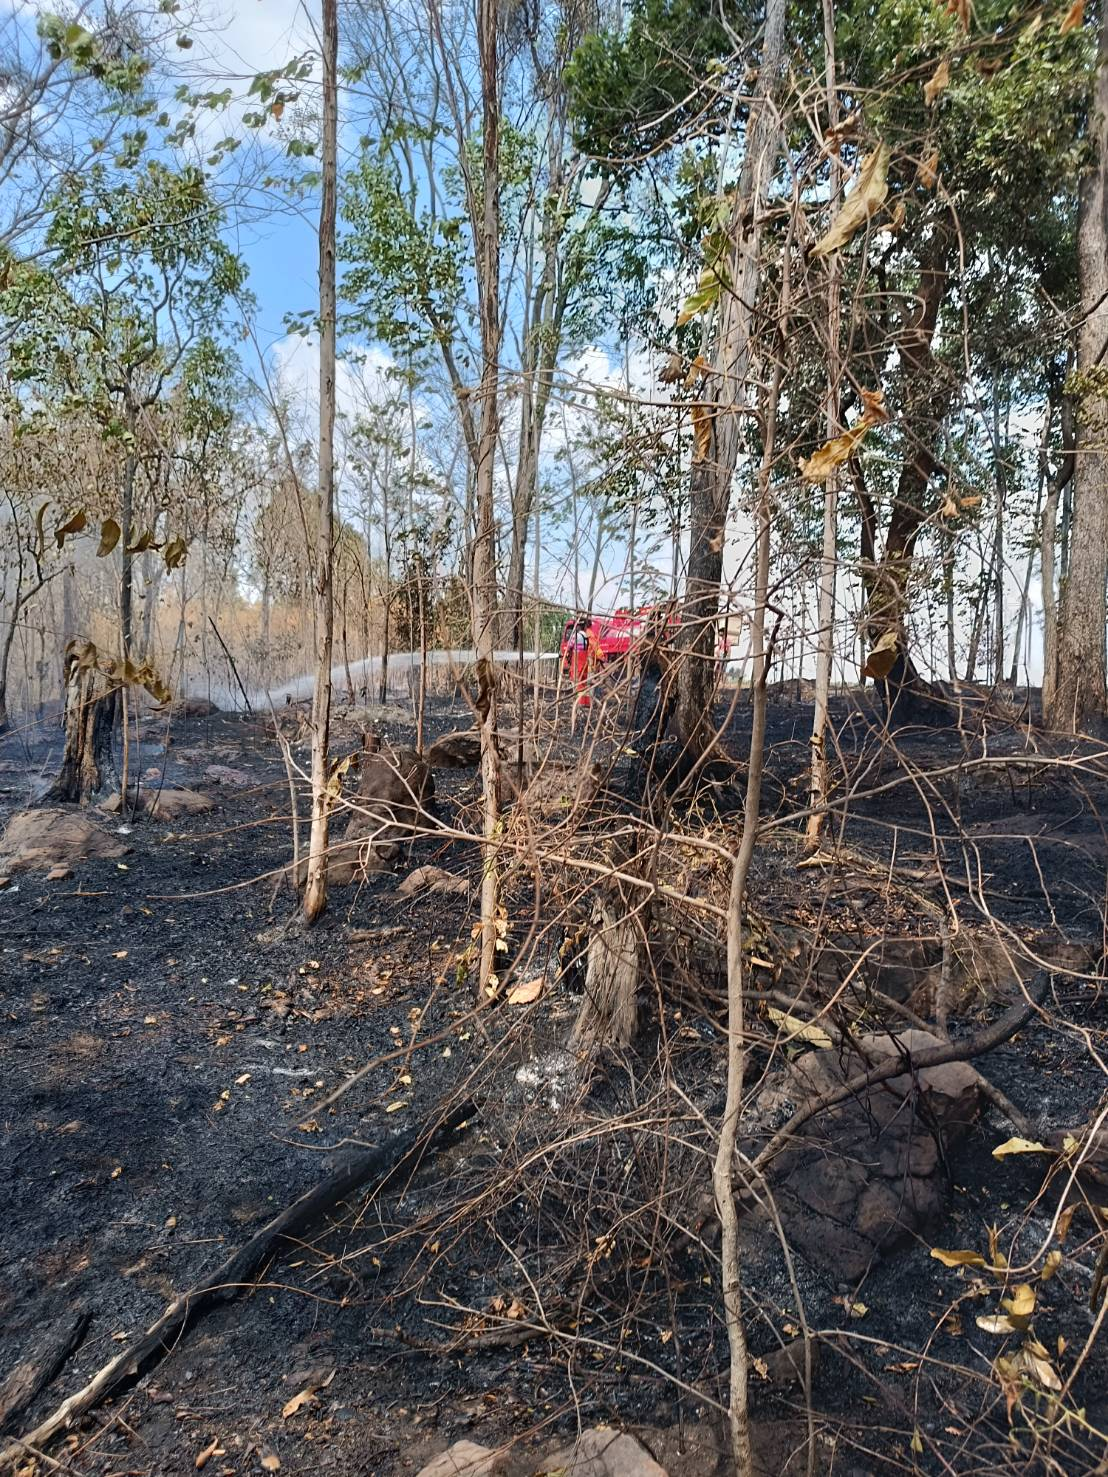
602, 1452
459, 750
224, 774
163, 805
191, 707
463, 1459
869, 1173
394, 785
40, 840
432, 879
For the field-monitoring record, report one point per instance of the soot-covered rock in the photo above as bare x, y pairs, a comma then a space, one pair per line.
869, 1172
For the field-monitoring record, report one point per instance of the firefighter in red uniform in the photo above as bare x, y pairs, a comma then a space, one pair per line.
580, 653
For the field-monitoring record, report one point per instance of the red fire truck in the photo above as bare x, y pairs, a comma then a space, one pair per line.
611, 638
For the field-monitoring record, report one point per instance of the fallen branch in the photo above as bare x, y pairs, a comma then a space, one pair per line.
1002, 1029
399, 1155
41, 1365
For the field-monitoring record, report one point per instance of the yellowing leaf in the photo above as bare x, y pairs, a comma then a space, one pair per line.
917, 1442
702, 432
1051, 1263
1019, 1146
1020, 1305
707, 294
864, 200
958, 1258
897, 216
1064, 1219
175, 553
144, 541
525, 993
800, 1030
395, 1107
1073, 18
938, 83
109, 537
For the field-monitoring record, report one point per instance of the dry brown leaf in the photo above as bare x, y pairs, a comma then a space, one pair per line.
673, 371
938, 83
962, 10
897, 217
864, 200
820, 466
205, 1456
1064, 1220
1051, 1263
270, 1461
949, 508
873, 408
697, 369
958, 1258
1074, 17
995, 1323
881, 659
927, 171
800, 1030
299, 1401
702, 417
525, 993
109, 537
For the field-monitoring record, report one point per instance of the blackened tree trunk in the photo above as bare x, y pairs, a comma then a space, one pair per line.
1080, 691
91, 705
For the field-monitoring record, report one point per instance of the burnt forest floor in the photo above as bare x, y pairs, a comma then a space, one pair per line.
166, 1040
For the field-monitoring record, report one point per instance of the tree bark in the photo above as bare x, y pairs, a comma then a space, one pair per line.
91, 704
1080, 689
484, 595
826, 617
315, 890
724, 399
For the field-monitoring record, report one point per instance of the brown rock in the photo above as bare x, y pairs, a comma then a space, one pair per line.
463, 1459
223, 774
59, 873
37, 840
433, 879
393, 786
601, 1452
192, 707
163, 805
460, 750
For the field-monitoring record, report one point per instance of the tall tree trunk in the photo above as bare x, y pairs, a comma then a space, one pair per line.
1080, 692
724, 398
484, 544
1047, 544
826, 610
126, 526
315, 890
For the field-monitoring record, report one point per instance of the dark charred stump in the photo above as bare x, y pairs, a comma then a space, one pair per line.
91, 702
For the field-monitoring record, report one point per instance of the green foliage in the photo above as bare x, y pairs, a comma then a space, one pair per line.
404, 277
641, 89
